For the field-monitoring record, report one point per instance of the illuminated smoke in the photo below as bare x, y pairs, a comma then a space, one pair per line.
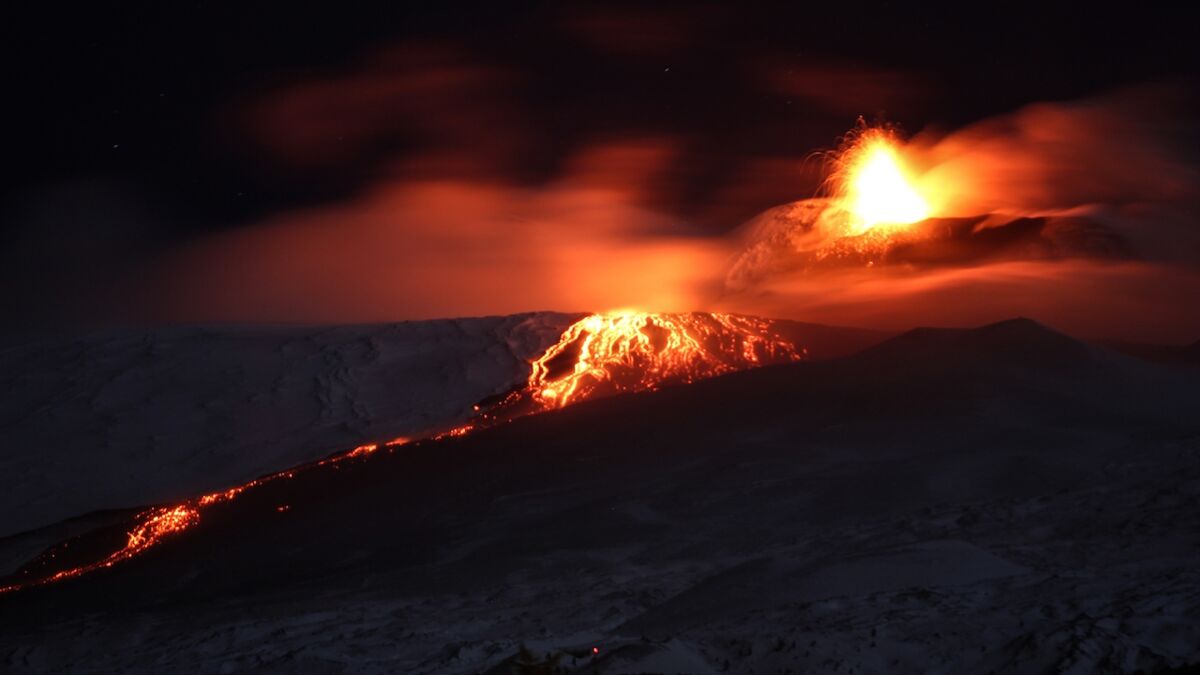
1059, 212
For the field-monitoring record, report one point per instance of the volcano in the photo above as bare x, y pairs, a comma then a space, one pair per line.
601, 338
598, 355
862, 511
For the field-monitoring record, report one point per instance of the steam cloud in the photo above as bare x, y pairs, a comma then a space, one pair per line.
441, 233
1082, 215
421, 249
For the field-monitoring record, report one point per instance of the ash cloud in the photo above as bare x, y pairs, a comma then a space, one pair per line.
427, 99
451, 247
450, 220
1083, 215
1136, 146
447, 222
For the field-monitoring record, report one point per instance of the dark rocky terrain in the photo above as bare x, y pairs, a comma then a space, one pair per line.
1003, 499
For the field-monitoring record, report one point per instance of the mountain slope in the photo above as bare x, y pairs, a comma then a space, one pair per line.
1001, 499
124, 417
120, 418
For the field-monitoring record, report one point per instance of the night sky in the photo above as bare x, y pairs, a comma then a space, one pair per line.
141, 126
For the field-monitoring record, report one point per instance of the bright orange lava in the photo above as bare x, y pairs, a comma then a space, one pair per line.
601, 354
152, 526
874, 186
627, 351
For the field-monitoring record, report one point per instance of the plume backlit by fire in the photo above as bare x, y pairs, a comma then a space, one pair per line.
599, 355
873, 200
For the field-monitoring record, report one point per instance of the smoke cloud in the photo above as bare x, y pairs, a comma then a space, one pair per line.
1082, 215
422, 249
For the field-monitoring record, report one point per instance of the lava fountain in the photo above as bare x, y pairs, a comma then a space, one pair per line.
599, 355
874, 200
635, 351
872, 184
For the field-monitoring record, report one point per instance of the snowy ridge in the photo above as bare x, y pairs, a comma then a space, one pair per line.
1004, 499
125, 418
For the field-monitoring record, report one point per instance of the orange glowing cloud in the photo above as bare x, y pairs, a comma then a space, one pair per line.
1057, 211
429, 99
1118, 149
1080, 215
1129, 300
422, 249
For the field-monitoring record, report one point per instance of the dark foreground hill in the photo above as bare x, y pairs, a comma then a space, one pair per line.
1001, 499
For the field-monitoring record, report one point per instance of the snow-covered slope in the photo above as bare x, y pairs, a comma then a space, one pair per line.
1003, 500
130, 417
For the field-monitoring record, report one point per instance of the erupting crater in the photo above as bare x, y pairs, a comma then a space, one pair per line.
874, 186
628, 351
599, 355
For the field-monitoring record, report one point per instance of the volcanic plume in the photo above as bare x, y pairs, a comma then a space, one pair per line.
1039, 212
1056, 212
551, 337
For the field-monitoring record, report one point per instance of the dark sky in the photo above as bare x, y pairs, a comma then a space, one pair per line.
137, 125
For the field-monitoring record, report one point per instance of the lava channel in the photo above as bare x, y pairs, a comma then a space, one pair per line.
599, 355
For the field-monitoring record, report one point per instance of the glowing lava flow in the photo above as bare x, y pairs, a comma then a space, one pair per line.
152, 527
156, 524
599, 355
636, 351
873, 186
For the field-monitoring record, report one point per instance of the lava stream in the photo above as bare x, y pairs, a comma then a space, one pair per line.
637, 351
599, 355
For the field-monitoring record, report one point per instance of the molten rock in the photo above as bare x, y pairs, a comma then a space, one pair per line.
629, 351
